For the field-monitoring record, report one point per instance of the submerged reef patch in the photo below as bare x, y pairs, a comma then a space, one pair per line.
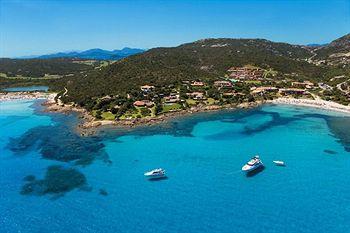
58, 180
29, 178
59, 143
274, 119
340, 127
331, 152
277, 120
182, 126
103, 192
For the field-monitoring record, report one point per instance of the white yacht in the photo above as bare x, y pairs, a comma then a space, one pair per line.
279, 163
253, 164
155, 173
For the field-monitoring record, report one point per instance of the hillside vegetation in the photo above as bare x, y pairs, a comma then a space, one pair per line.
340, 45
202, 60
40, 67
107, 88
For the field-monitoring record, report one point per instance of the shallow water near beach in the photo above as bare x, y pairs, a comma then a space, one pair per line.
54, 180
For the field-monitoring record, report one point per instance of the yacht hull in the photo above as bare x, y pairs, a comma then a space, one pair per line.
154, 176
248, 168
279, 163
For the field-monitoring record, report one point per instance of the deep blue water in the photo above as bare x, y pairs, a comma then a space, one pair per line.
28, 88
53, 180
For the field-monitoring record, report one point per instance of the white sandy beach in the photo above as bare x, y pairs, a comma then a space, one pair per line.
316, 103
6, 96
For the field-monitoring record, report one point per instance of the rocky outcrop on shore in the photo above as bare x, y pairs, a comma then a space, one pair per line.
91, 122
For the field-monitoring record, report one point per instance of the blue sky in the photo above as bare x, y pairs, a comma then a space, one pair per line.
30, 27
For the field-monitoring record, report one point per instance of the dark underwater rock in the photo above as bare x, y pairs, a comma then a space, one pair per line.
331, 152
57, 180
103, 192
29, 178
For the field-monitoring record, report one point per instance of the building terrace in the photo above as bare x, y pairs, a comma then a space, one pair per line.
262, 90
246, 73
288, 91
305, 84
172, 98
197, 84
223, 84
196, 95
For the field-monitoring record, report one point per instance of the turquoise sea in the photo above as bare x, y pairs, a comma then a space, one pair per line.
54, 180
28, 88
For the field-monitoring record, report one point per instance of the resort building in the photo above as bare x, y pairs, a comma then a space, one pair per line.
147, 88
228, 94
242, 73
196, 95
262, 90
290, 91
143, 103
172, 98
223, 84
197, 84
325, 87
305, 84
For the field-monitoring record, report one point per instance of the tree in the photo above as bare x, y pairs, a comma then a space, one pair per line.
145, 112
213, 93
114, 110
98, 114
159, 108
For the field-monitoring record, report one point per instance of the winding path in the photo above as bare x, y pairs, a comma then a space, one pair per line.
59, 97
341, 89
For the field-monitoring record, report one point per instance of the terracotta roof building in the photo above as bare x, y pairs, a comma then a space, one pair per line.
143, 103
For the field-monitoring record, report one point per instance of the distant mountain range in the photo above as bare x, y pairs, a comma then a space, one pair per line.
96, 54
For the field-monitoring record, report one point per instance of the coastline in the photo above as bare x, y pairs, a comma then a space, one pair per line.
88, 124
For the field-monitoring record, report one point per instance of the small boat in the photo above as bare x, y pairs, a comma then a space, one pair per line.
279, 163
253, 164
155, 173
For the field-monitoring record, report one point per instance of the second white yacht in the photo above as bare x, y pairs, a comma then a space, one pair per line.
279, 163
156, 173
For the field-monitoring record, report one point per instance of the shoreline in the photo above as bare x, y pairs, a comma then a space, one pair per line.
89, 125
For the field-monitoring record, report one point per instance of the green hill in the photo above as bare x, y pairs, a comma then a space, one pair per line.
340, 45
40, 67
206, 59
